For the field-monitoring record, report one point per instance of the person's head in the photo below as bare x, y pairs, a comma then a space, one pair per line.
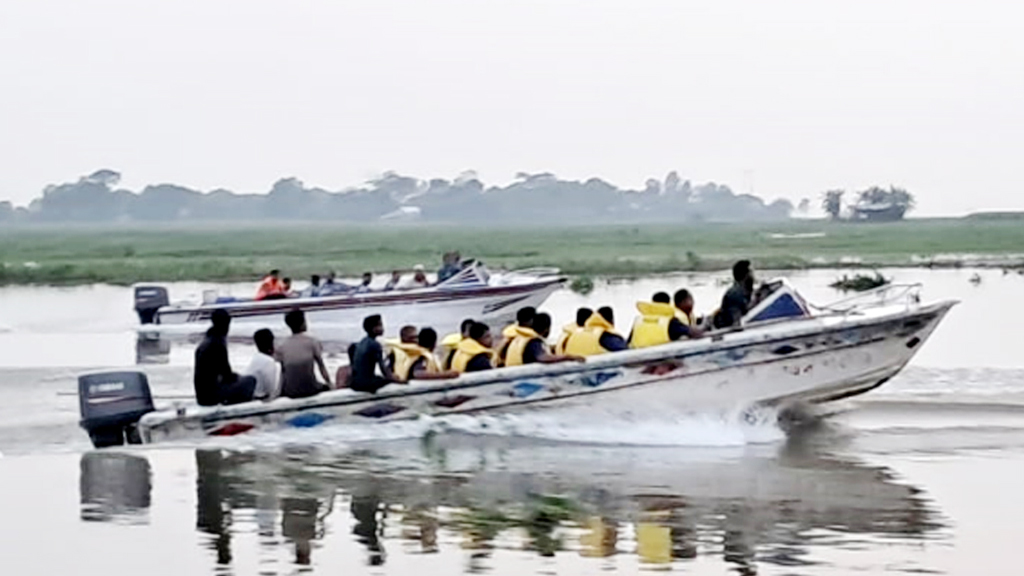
542, 324
684, 300
296, 320
741, 271
525, 316
275, 274
373, 325
465, 326
582, 315
221, 320
447, 258
315, 280
287, 283
481, 333
396, 275
419, 271
607, 313
367, 278
427, 339
661, 298
408, 334
264, 340
332, 276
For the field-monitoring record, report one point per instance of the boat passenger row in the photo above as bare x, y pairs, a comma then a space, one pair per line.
273, 287
290, 368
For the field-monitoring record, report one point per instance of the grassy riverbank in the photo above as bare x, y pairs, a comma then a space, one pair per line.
123, 255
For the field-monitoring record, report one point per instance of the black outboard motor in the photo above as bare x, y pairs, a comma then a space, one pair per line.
111, 404
149, 299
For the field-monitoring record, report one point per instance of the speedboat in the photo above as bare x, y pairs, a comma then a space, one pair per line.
784, 352
473, 293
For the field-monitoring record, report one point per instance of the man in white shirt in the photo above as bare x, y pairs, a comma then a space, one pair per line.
264, 368
418, 280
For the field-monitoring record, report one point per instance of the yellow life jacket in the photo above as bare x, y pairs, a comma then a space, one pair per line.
449, 344
567, 331
587, 341
517, 347
408, 354
508, 333
683, 317
466, 351
651, 327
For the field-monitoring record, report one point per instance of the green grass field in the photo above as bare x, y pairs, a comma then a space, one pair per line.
123, 255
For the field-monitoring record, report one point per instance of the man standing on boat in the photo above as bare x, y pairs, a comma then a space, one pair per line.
736, 301
368, 356
299, 354
213, 379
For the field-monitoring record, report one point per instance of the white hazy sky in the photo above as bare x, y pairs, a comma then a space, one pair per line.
784, 97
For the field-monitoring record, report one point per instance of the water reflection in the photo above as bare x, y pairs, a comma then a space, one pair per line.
114, 487
471, 497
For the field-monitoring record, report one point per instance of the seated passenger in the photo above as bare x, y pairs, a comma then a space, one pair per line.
474, 354
263, 367
657, 324
365, 285
396, 279
213, 379
569, 329
736, 301
598, 336
451, 342
683, 302
271, 286
406, 336
449, 266
368, 356
523, 324
417, 361
313, 290
300, 356
530, 345
332, 287
418, 280
286, 284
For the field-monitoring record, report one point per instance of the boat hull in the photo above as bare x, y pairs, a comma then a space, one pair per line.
340, 317
777, 364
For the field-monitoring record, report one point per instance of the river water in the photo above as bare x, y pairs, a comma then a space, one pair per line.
918, 477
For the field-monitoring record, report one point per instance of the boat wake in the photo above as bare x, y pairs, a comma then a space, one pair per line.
576, 426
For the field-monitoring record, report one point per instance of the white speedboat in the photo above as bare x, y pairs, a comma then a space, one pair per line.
785, 352
473, 293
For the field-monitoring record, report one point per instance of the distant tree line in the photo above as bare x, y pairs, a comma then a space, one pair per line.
530, 199
874, 204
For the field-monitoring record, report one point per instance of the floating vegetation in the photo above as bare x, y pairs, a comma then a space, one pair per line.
582, 285
860, 282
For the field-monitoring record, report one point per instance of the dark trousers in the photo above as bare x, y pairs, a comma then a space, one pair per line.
370, 385
239, 391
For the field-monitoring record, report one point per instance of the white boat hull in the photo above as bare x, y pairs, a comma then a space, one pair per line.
777, 363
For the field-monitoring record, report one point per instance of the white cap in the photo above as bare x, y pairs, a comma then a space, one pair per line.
418, 268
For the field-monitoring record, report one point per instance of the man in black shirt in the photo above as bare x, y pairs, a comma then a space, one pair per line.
213, 379
368, 356
736, 301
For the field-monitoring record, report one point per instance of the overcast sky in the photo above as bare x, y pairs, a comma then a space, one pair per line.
781, 97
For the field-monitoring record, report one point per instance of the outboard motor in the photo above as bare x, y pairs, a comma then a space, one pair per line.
149, 299
111, 404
